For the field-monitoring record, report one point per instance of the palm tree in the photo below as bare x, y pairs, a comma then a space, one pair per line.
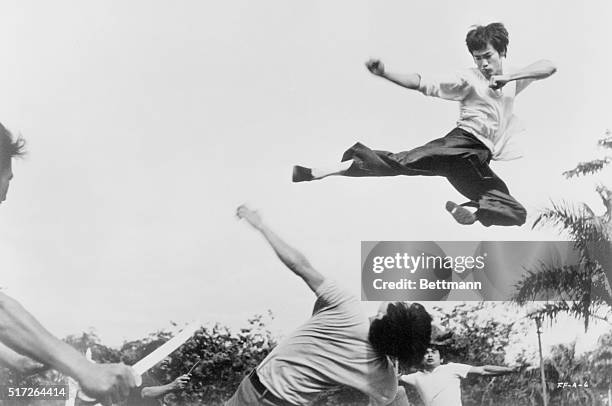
583, 289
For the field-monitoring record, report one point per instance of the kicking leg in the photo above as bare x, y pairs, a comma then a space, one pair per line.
303, 174
431, 159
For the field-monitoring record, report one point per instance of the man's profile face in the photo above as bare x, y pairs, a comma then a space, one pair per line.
432, 358
6, 174
488, 61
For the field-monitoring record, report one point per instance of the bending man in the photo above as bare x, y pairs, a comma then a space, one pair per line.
337, 346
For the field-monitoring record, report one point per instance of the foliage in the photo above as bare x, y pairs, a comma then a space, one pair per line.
225, 358
581, 289
482, 334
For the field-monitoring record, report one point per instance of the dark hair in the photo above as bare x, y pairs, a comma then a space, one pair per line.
10, 146
403, 332
495, 34
438, 348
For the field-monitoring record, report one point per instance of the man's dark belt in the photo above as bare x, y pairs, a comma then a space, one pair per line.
265, 392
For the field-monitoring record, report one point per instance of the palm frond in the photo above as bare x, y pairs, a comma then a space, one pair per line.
579, 222
588, 168
575, 289
606, 141
552, 283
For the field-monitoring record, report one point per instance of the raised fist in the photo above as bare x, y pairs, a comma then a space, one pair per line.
376, 67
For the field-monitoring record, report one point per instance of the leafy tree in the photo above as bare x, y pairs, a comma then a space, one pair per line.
564, 367
219, 357
600, 366
581, 289
99, 352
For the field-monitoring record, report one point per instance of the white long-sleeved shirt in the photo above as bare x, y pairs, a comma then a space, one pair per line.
483, 112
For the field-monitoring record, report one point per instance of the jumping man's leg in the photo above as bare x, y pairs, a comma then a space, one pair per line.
431, 159
498, 208
488, 193
302, 174
460, 213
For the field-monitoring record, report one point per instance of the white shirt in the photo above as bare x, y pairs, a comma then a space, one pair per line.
331, 349
483, 112
440, 387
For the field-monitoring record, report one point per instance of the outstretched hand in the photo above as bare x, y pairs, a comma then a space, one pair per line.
181, 381
375, 66
109, 383
251, 216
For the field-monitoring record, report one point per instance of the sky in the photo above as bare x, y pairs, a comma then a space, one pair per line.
149, 122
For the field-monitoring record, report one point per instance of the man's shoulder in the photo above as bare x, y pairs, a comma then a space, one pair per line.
456, 368
331, 291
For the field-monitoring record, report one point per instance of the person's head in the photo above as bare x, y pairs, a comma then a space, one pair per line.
10, 147
432, 358
488, 44
401, 330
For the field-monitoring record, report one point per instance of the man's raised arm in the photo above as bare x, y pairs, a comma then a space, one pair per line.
409, 81
291, 257
20, 331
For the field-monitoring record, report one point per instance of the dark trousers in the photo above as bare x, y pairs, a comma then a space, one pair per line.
459, 157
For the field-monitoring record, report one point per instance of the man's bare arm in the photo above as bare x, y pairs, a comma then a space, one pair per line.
156, 391
409, 81
18, 362
20, 331
162, 390
289, 256
492, 370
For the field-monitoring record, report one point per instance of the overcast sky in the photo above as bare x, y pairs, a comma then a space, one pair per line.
149, 122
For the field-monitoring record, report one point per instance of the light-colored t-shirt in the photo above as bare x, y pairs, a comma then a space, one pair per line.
483, 112
440, 387
331, 349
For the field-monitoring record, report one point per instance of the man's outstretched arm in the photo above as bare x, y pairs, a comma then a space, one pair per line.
409, 81
536, 71
291, 257
162, 390
493, 370
20, 331
18, 362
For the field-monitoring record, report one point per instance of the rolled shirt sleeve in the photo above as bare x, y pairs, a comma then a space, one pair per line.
449, 87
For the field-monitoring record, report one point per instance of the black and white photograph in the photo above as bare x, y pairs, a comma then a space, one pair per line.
305, 203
